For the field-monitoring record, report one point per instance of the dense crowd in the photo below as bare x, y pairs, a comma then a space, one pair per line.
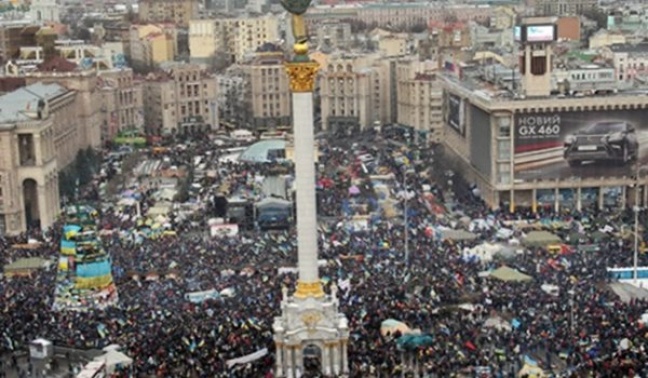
168, 336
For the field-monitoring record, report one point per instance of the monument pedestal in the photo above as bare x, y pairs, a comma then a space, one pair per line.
311, 328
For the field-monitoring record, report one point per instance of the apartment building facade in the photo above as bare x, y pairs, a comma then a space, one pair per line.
150, 45
399, 15
563, 7
177, 12
233, 95
121, 102
180, 99
355, 93
269, 89
420, 98
237, 38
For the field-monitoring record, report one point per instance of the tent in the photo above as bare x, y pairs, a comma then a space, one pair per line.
160, 208
507, 274
540, 238
114, 360
531, 371
457, 235
497, 323
24, 267
272, 203
391, 326
484, 252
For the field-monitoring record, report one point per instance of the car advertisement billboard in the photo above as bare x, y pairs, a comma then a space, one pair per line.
456, 114
585, 144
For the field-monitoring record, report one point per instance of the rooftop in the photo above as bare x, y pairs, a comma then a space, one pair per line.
16, 106
630, 48
496, 82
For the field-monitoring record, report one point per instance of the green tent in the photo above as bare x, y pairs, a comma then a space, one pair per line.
504, 273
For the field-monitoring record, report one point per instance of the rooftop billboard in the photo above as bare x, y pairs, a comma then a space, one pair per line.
585, 144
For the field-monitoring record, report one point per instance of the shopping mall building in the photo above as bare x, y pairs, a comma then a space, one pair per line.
567, 138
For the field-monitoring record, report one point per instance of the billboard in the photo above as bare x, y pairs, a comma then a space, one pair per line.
517, 33
585, 144
456, 114
540, 33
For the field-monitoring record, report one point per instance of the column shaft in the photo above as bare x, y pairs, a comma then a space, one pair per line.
305, 179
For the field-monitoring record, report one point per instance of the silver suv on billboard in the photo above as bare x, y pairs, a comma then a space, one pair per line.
614, 141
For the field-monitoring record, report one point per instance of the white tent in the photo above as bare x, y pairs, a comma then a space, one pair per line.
114, 359
484, 252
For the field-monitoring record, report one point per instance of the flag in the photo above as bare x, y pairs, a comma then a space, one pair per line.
344, 284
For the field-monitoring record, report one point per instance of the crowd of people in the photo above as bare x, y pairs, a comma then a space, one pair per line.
578, 330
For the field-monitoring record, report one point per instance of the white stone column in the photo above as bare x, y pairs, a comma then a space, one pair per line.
280, 359
42, 204
326, 359
345, 361
302, 106
337, 365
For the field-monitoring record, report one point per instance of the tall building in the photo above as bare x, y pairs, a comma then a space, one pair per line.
152, 44
85, 115
180, 99
420, 98
40, 134
355, 93
525, 145
269, 88
236, 38
177, 12
121, 102
233, 98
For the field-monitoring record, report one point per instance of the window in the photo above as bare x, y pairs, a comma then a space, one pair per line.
504, 150
504, 124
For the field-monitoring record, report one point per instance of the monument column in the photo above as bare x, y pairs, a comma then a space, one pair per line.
301, 72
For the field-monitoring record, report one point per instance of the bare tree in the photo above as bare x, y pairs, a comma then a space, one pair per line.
219, 61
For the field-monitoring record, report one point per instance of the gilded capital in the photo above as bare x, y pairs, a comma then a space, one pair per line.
309, 289
302, 76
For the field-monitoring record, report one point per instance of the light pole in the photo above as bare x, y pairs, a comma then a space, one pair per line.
635, 262
405, 216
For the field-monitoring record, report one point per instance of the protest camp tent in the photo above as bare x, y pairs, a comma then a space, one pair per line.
531, 371
24, 267
540, 238
272, 203
114, 360
160, 208
457, 235
507, 274
391, 326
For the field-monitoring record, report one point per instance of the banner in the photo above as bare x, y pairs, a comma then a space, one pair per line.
224, 230
201, 296
247, 358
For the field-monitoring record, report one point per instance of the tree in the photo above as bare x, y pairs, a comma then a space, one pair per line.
597, 15
219, 61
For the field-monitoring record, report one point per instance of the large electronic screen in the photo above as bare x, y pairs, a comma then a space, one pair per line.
540, 33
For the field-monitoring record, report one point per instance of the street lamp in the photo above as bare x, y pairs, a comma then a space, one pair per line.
405, 216
635, 275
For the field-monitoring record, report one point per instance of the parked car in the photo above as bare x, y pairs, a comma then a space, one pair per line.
603, 141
